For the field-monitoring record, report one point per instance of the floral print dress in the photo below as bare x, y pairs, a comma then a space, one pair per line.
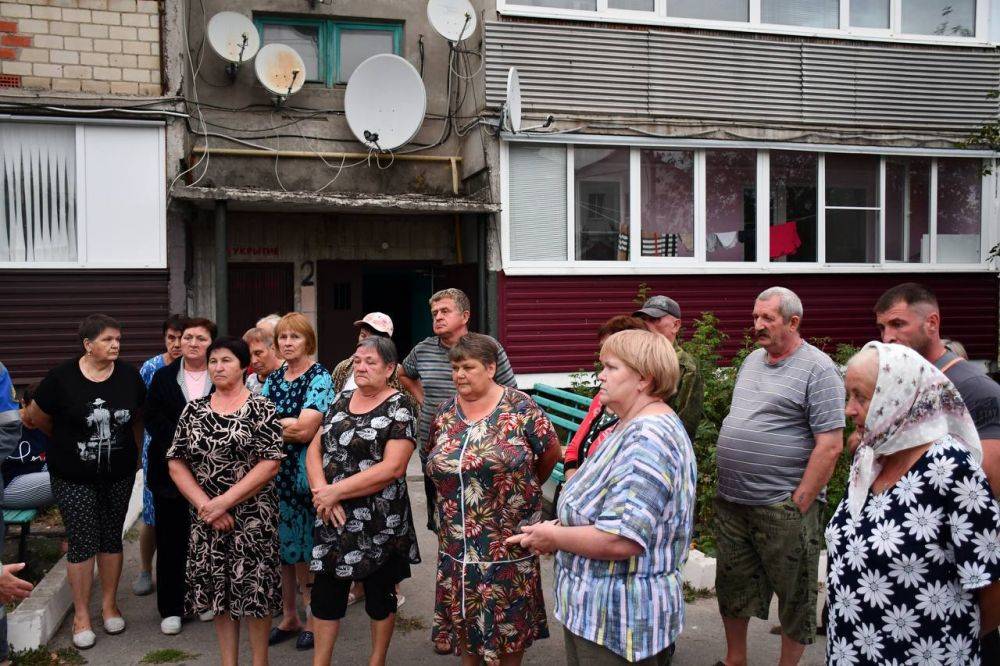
902, 579
379, 530
489, 594
313, 389
235, 572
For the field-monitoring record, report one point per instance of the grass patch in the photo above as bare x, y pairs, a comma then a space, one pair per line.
41, 556
45, 657
405, 624
692, 594
167, 656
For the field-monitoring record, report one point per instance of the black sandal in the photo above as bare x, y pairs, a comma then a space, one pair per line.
279, 635
306, 641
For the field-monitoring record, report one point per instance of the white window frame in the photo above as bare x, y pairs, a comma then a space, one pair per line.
639, 265
659, 17
83, 260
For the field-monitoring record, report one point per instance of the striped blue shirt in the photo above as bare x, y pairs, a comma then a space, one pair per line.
640, 484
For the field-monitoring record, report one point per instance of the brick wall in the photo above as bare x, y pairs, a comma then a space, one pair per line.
92, 46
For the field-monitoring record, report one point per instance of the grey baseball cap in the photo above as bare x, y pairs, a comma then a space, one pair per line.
659, 306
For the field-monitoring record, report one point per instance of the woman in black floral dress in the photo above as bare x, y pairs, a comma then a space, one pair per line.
225, 455
364, 527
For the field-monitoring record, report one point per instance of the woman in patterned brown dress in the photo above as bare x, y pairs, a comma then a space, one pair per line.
225, 455
492, 448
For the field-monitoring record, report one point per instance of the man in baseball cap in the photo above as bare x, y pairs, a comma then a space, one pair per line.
662, 315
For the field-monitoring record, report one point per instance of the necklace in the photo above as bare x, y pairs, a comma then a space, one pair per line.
95, 375
228, 407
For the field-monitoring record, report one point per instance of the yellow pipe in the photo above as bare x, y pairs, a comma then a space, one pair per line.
452, 161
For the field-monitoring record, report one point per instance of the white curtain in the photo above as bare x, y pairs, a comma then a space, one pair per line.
37, 192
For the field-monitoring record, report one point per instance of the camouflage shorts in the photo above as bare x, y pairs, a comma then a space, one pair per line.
768, 550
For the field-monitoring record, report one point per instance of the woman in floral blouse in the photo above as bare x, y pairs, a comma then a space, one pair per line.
492, 448
914, 574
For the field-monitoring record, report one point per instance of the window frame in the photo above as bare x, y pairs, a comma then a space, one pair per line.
84, 234
659, 17
989, 234
329, 40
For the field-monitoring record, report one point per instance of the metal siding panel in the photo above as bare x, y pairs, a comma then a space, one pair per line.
40, 311
549, 324
785, 80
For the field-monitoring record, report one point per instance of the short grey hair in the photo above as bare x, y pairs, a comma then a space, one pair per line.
789, 304
457, 295
261, 335
268, 323
383, 346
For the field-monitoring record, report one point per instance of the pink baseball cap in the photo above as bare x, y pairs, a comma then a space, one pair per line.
380, 321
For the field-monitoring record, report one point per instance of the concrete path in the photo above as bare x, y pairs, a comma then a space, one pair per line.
701, 644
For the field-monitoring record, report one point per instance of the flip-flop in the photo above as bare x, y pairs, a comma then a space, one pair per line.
279, 635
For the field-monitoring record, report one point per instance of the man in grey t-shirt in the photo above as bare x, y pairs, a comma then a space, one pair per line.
776, 451
426, 370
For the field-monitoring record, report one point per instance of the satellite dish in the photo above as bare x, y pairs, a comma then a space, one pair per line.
512, 107
280, 70
384, 102
235, 38
454, 20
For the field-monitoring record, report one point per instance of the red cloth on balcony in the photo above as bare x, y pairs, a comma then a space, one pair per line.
784, 239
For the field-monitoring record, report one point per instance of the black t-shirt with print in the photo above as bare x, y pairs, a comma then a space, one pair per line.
92, 434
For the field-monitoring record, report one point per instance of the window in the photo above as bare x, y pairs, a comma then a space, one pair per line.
667, 178
731, 205
331, 50
852, 209
952, 21
681, 206
601, 186
810, 13
793, 206
907, 209
959, 210
720, 10
37, 193
870, 14
537, 203
943, 18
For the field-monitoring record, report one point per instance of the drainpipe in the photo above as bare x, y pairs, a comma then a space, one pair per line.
221, 269
482, 236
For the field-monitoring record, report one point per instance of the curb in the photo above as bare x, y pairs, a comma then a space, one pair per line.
37, 619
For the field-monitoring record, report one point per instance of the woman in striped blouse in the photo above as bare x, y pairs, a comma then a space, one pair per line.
625, 518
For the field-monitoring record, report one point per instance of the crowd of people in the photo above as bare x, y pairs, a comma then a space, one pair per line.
270, 482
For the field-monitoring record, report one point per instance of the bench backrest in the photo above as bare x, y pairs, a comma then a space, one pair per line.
564, 408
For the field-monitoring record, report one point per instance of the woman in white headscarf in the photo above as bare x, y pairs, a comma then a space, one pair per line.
914, 548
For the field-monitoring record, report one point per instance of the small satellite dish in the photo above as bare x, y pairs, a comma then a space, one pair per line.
280, 70
235, 38
385, 102
512, 107
454, 20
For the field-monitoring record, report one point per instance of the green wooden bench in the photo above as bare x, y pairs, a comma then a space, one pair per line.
567, 410
23, 518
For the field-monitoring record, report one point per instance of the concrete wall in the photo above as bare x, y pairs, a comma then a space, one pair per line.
313, 119
92, 46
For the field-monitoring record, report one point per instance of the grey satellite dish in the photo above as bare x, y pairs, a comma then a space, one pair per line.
280, 70
512, 107
454, 20
385, 102
234, 38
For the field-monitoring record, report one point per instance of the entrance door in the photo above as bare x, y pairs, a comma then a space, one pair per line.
338, 306
258, 289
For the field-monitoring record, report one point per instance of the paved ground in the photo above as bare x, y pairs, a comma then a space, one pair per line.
701, 644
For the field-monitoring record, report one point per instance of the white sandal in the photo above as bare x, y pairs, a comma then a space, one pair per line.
85, 639
114, 625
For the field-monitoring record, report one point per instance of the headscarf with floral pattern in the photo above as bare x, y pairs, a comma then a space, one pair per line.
913, 404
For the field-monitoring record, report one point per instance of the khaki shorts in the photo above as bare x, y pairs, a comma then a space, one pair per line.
767, 550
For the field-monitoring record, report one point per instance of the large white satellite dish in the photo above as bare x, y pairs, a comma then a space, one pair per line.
234, 37
454, 20
512, 107
385, 102
280, 70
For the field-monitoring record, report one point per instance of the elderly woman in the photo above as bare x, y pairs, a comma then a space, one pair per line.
173, 331
301, 390
224, 456
357, 470
90, 407
172, 388
492, 448
625, 519
914, 549
599, 421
